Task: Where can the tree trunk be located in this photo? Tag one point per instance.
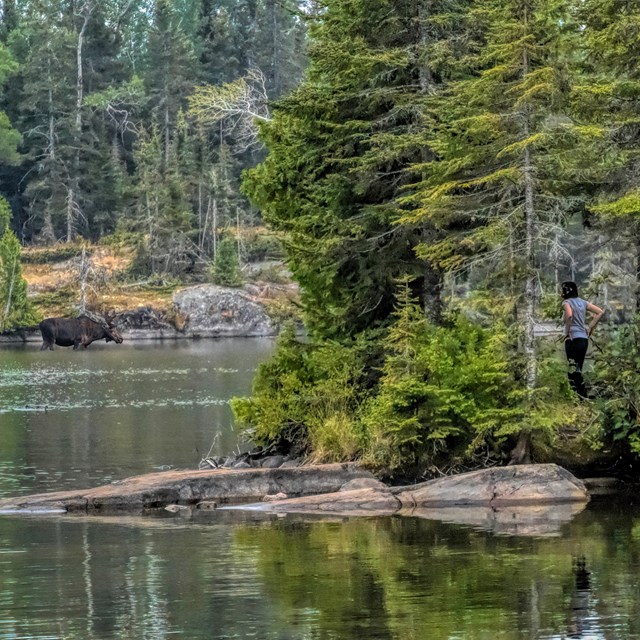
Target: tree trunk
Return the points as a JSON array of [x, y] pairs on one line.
[[72, 203], [521, 453], [637, 236], [433, 279]]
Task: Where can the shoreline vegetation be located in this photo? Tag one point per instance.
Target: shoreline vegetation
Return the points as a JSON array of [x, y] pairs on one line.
[[428, 172]]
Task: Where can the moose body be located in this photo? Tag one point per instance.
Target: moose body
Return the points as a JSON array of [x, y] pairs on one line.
[[76, 332]]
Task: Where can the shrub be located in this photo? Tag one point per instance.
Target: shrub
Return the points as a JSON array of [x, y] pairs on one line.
[[307, 396], [617, 384], [225, 270]]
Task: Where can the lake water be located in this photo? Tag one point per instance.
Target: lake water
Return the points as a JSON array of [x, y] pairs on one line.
[[72, 419], [78, 419]]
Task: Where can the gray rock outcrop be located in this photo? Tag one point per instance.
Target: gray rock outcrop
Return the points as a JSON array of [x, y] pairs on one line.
[[490, 489], [158, 490], [500, 486], [211, 311]]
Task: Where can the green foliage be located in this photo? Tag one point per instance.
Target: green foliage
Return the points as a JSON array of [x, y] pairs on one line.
[[225, 269], [308, 396], [340, 150], [421, 395], [5, 216], [15, 308], [258, 245], [617, 384], [445, 391]]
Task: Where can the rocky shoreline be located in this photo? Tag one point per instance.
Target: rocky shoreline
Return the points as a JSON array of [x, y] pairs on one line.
[[200, 311], [330, 488]]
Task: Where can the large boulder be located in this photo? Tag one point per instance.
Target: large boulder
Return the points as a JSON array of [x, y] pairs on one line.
[[210, 311], [483, 493], [520, 484]]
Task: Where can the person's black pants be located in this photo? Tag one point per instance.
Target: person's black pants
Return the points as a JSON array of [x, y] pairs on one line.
[[576, 351]]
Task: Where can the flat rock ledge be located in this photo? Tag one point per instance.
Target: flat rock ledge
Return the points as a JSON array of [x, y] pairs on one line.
[[158, 490], [527, 499], [523, 485]]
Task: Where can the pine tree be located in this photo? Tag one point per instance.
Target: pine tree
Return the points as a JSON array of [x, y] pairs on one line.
[[15, 308], [608, 98], [225, 269], [169, 69], [339, 150], [9, 137], [496, 182]]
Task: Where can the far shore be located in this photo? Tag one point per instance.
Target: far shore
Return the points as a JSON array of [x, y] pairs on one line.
[[143, 335]]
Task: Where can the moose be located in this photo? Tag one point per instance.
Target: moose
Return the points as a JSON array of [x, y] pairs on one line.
[[77, 332]]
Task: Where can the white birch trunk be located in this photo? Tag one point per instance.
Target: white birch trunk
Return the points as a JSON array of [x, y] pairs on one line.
[[72, 206]]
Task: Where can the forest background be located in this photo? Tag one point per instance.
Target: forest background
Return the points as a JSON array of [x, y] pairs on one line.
[[432, 170]]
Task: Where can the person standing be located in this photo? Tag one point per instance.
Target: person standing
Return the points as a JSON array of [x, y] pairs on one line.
[[577, 332]]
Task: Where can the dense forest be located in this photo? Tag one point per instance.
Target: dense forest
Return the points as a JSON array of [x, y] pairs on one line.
[[442, 168], [434, 169], [98, 135]]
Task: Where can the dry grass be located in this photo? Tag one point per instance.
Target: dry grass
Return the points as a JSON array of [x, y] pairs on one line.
[[54, 285]]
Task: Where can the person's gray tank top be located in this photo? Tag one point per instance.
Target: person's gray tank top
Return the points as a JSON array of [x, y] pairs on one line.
[[579, 324]]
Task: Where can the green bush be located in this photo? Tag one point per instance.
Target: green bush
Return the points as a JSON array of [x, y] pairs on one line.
[[307, 396], [225, 270], [260, 245], [411, 397], [617, 384], [443, 389]]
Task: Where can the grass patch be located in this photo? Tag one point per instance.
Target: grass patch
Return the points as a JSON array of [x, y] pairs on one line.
[[57, 303], [49, 255]]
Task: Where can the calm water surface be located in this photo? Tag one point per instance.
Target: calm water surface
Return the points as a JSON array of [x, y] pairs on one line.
[[71, 420]]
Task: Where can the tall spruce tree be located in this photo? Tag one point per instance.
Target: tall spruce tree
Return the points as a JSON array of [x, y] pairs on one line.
[[339, 149], [170, 71], [495, 185], [608, 99]]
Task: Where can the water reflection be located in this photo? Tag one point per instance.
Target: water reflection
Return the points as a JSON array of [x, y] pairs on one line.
[[247, 575], [583, 622], [527, 520], [76, 419]]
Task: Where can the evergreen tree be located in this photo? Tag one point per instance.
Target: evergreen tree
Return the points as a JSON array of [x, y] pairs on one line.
[[339, 150], [225, 270], [608, 98], [496, 184], [15, 308], [169, 70], [9, 137]]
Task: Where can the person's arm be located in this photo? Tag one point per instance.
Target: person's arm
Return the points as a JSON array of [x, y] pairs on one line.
[[597, 314], [567, 318]]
